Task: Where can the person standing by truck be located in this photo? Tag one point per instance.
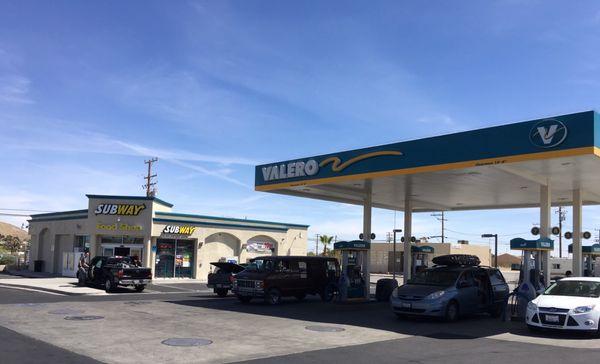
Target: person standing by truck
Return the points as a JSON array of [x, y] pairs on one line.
[[82, 267]]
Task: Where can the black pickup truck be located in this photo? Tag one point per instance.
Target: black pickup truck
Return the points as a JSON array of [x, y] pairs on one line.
[[220, 279], [111, 272]]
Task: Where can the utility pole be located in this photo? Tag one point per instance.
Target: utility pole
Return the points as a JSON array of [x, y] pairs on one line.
[[562, 216], [149, 186], [440, 217]]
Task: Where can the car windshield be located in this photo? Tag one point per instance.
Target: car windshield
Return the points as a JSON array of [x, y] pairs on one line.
[[574, 288], [435, 277]]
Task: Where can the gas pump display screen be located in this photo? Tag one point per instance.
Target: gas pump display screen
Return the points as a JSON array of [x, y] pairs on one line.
[[351, 260]]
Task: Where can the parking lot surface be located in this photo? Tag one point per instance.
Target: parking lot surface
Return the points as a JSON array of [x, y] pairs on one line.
[[40, 325]]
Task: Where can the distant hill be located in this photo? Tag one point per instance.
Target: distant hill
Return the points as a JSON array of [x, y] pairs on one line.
[[9, 229]]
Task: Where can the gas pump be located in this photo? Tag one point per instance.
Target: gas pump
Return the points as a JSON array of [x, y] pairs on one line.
[[588, 256], [420, 257], [353, 285], [530, 279]]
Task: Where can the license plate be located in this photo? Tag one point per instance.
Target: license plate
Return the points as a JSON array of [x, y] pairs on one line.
[[136, 282], [552, 318], [406, 305]]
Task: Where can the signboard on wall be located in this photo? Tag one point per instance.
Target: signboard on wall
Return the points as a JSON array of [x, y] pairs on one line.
[[177, 231], [118, 227], [119, 209], [259, 247]]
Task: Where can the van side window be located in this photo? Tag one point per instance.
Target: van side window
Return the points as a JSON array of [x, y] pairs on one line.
[[282, 266], [496, 277], [331, 266]]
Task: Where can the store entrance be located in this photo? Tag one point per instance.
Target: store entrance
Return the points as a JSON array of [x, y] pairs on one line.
[[174, 258], [125, 246]]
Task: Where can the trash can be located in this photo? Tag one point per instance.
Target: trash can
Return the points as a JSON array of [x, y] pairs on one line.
[[384, 288], [38, 265]]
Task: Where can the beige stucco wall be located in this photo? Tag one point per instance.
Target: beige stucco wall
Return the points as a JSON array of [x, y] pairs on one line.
[[56, 235]]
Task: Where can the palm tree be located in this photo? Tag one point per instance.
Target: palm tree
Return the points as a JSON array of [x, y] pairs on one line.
[[325, 240]]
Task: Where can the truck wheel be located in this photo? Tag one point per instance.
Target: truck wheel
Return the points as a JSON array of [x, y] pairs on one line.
[[139, 287], [244, 299], [221, 292], [109, 286], [273, 297], [451, 312], [300, 296]]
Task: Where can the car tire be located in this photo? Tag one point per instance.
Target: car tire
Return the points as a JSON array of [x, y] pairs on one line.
[[140, 287], [452, 312], [109, 286], [301, 296], [244, 299], [221, 292], [273, 296]]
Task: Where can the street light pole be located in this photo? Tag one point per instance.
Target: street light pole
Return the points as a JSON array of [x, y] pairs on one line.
[[495, 236], [394, 256]]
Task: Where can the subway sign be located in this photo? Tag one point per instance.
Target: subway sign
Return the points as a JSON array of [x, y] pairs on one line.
[[179, 229], [119, 209]]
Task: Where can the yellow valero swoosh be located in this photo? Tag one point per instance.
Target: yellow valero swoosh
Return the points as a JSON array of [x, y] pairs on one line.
[[338, 166]]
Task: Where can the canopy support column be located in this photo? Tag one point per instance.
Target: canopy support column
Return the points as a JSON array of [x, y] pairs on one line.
[[545, 222], [577, 254], [367, 209], [407, 264]]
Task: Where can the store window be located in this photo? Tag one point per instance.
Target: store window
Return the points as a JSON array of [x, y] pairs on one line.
[[174, 258], [122, 245], [81, 244]]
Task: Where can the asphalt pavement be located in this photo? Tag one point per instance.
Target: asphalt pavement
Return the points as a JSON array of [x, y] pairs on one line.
[[30, 333]]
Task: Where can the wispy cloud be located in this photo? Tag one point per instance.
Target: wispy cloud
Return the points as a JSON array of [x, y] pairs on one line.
[[14, 89], [57, 136]]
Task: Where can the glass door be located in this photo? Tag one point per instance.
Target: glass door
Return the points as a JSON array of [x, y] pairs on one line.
[[184, 258], [165, 258]]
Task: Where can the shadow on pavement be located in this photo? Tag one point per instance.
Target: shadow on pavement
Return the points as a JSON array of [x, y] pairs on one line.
[[378, 315]]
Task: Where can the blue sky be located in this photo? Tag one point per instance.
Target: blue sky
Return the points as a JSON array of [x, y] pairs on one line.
[[90, 89]]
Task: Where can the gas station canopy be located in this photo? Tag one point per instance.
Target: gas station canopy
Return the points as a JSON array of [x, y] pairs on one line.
[[587, 249], [497, 167], [536, 163]]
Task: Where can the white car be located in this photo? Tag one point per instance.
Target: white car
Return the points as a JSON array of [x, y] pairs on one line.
[[569, 304]]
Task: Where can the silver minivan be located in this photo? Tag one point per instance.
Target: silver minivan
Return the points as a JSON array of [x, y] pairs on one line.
[[451, 291]]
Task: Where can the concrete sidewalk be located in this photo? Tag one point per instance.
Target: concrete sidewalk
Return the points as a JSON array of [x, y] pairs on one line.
[[55, 285]]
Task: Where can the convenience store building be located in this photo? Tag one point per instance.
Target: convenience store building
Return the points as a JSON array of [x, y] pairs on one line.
[[174, 245]]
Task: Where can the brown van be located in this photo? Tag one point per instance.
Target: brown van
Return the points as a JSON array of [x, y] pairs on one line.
[[275, 277]]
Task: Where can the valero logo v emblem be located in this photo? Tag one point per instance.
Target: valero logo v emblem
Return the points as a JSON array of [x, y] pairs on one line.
[[548, 133]]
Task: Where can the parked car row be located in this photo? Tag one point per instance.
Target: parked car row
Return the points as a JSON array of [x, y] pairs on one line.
[[455, 286]]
